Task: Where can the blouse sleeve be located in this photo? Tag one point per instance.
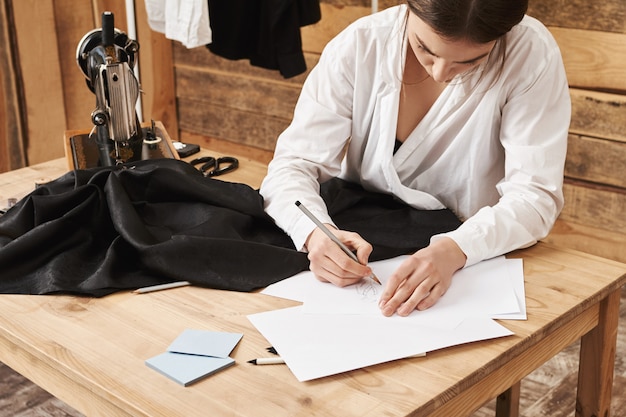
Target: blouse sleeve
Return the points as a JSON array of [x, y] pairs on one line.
[[533, 133], [310, 150]]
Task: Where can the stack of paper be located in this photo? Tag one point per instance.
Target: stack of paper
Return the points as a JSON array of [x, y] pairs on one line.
[[328, 333], [195, 354]]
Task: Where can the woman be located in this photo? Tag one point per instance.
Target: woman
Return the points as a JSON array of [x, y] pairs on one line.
[[443, 104]]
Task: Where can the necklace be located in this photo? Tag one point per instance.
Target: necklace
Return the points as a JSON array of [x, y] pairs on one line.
[[412, 65], [417, 82]]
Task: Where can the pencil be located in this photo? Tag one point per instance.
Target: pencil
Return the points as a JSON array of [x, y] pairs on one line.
[[332, 237], [266, 361], [161, 287]]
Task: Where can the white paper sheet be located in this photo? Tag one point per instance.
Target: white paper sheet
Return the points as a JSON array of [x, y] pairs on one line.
[[489, 288], [341, 329], [516, 275], [318, 345], [484, 289]]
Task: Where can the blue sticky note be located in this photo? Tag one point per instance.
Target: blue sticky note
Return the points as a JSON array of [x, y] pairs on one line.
[[187, 369], [205, 342]]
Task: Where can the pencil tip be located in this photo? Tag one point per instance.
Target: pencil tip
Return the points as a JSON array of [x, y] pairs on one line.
[[252, 361], [298, 203]]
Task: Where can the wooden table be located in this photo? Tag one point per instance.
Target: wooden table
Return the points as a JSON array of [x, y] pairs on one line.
[[90, 352]]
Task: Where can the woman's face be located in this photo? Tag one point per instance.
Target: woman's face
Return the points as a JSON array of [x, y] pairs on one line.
[[442, 58]]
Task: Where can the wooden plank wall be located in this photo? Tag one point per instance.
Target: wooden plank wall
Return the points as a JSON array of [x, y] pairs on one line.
[[12, 154], [43, 92], [233, 106], [236, 104], [592, 37]]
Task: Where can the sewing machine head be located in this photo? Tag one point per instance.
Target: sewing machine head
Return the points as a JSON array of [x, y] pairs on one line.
[[106, 57]]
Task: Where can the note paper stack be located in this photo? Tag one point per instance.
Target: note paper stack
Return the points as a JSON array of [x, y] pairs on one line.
[[195, 354]]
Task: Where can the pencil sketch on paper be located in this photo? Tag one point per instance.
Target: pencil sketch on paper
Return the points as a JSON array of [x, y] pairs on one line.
[[368, 290]]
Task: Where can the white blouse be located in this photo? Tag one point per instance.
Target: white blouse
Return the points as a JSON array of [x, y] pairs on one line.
[[491, 148]]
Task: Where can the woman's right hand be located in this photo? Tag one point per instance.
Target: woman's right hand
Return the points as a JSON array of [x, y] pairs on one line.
[[330, 264]]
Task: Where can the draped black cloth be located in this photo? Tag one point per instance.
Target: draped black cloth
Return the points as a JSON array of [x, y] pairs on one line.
[[97, 231]]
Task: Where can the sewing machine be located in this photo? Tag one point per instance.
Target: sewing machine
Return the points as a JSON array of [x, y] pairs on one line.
[[106, 57]]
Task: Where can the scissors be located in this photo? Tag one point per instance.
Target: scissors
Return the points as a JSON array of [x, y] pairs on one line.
[[212, 167]]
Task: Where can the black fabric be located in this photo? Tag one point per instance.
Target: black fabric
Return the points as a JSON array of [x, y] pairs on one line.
[[396, 146], [97, 231], [100, 230], [392, 227], [267, 32]]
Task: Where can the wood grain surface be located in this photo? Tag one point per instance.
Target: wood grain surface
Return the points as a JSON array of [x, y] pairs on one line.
[[550, 391]]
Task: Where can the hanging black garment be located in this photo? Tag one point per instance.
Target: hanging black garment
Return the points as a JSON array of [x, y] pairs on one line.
[[267, 32], [97, 231]]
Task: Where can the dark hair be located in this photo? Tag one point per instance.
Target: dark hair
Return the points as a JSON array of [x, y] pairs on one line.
[[479, 21]]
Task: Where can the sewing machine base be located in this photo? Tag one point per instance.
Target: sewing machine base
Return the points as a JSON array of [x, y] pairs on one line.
[[82, 152]]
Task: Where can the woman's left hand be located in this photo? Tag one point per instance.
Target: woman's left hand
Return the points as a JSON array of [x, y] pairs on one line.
[[422, 278]]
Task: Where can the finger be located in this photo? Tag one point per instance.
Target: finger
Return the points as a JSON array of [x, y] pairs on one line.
[[338, 280], [362, 248], [344, 266], [411, 268], [406, 299], [357, 244], [435, 294], [389, 306], [406, 282], [320, 245], [327, 270], [422, 291]]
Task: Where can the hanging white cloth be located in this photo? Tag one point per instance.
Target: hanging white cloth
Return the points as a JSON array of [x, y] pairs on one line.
[[186, 21]]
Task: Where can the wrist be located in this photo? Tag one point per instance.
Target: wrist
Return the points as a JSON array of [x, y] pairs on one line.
[[315, 233], [452, 252]]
